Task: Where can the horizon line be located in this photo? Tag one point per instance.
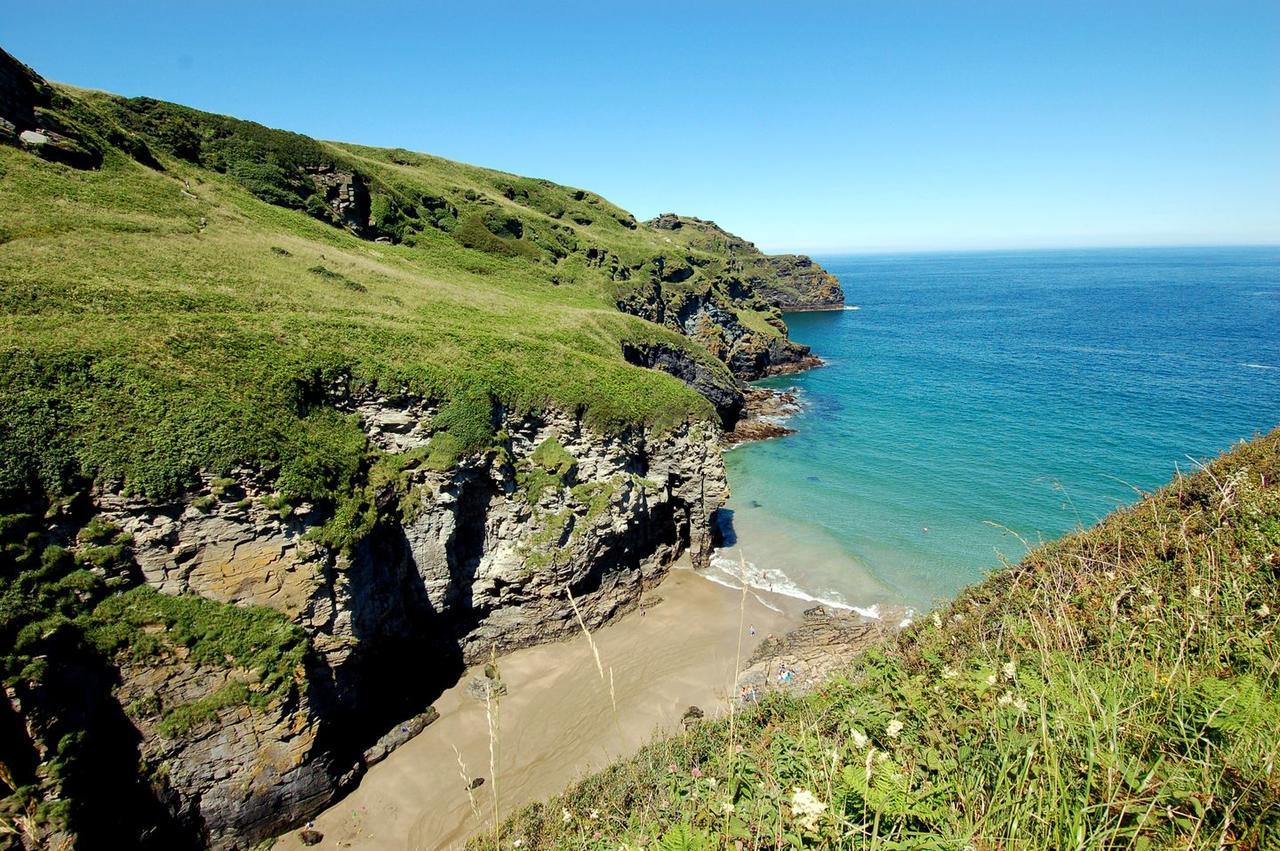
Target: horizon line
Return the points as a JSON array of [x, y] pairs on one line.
[[1008, 249]]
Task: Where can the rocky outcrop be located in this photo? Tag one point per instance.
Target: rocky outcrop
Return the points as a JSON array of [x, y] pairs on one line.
[[826, 641], [720, 389], [346, 196], [707, 316], [796, 282], [28, 120], [230, 779], [786, 281], [462, 563], [764, 413]]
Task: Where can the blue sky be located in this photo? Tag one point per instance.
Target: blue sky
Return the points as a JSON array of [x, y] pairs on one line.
[[802, 126]]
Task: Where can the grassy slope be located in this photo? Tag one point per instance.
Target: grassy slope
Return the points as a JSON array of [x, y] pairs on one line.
[[156, 322], [190, 334], [1118, 688]]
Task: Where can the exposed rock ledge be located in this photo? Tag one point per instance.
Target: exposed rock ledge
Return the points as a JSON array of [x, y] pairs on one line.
[[477, 563], [826, 641], [765, 411]]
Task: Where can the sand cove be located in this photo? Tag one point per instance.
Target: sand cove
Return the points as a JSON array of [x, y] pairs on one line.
[[557, 721]]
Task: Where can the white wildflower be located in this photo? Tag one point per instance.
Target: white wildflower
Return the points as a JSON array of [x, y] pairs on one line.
[[991, 680], [1195, 591], [565, 815], [1008, 670], [882, 757], [859, 739], [727, 806], [1110, 574], [712, 782], [595, 814], [805, 808], [519, 843], [1005, 699], [1019, 704], [1264, 610], [949, 673], [937, 620], [894, 728]]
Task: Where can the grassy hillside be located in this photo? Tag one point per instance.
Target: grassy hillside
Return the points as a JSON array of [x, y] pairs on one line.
[[191, 300], [185, 294], [1119, 688]]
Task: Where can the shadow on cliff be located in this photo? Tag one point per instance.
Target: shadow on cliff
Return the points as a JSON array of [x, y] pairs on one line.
[[98, 753]]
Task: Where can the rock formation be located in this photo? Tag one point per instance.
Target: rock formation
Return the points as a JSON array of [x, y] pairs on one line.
[[463, 562]]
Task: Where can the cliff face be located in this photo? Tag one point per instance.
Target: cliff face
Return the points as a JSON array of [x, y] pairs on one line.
[[786, 281], [229, 562], [463, 562]]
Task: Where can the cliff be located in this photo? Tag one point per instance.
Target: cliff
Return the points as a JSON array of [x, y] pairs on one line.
[[786, 281], [294, 430]]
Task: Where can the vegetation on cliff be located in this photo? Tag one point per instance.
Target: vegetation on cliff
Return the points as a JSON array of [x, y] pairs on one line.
[[195, 299], [191, 301], [1119, 687]]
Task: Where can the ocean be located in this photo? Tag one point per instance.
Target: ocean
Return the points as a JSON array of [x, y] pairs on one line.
[[975, 404]]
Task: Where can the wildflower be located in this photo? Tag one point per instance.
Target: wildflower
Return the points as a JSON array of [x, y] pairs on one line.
[[672, 768], [806, 808], [1195, 591], [859, 739], [713, 782], [991, 680], [1005, 699], [565, 815], [697, 772], [1110, 574], [1264, 610], [949, 673], [594, 814], [519, 843], [1008, 670], [937, 620], [727, 806], [894, 728], [1019, 704]]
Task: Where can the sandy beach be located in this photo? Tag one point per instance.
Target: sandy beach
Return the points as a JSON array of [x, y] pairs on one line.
[[557, 721]]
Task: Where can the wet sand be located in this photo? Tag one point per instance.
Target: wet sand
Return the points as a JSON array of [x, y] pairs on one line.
[[557, 722]]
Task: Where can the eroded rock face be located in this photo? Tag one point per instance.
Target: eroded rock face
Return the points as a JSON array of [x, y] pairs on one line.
[[233, 779], [482, 560], [708, 319], [719, 389]]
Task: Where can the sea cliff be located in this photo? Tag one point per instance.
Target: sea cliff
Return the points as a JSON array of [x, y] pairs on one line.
[[295, 430]]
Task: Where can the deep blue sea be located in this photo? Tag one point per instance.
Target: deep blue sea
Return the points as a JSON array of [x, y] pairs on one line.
[[976, 401]]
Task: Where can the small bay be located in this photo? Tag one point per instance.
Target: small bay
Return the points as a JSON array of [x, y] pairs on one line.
[[977, 403]]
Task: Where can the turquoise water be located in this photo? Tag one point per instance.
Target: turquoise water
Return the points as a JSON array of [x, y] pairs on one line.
[[994, 399]]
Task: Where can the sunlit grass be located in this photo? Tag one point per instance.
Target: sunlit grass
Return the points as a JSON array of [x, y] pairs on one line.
[[1117, 689]]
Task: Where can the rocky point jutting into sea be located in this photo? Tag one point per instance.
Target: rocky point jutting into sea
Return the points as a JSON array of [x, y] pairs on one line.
[[296, 631]]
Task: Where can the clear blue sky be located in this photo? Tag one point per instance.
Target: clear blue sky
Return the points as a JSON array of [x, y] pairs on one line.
[[802, 126]]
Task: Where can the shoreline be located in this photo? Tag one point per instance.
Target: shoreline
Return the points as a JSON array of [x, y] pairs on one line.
[[817, 308], [557, 722]]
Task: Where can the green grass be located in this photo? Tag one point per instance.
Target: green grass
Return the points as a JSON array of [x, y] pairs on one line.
[[1119, 688], [159, 322]]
